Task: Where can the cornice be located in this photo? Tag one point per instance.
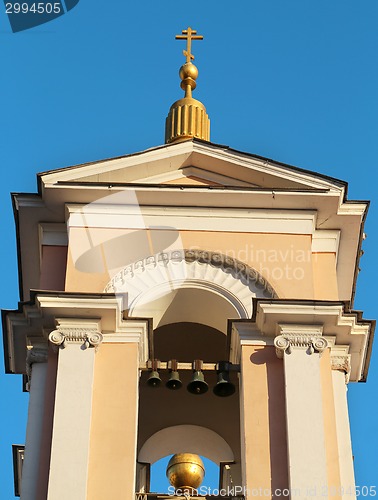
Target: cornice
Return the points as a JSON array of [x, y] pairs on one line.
[[116, 215], [193, 149], [85, 319], [307, 324]]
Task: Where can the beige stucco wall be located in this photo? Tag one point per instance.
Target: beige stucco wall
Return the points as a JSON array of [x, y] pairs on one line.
[[284, 260], [263, 422], [79, 281], [324, 276], [112, 454]]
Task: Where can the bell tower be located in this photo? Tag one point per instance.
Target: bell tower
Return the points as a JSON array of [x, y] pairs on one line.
[[190, 301]]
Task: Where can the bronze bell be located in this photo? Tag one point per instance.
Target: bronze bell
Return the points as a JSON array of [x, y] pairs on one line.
[[198, 385], [174, 381], [154, 379], [223, 387]]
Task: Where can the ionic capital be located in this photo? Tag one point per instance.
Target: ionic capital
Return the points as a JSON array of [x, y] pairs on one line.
[[81, 332], [306, 337]]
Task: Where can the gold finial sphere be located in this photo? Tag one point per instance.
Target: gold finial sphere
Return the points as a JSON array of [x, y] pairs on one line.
[[185, 471], [188, 74], [188, 70]]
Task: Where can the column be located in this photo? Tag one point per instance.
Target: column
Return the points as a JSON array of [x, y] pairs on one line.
[[301, 348], [77, 341], [36, 369], [340, 376]]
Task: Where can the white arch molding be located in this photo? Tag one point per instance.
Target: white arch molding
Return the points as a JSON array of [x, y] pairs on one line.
[[188, 439], [183, 285]]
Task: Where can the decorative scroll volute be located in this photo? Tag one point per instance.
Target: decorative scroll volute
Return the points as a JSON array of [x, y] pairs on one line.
[[284, 344], [84, 337]]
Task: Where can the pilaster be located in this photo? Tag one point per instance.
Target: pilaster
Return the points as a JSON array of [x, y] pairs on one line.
[[300, 347], [76, 341]]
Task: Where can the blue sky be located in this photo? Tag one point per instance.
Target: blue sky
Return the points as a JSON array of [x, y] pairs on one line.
[[294, 80]]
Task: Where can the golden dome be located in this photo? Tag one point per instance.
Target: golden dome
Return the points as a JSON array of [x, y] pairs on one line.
[[185, 471]]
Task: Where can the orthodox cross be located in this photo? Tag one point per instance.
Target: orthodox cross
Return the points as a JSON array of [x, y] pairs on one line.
[[189, 35]]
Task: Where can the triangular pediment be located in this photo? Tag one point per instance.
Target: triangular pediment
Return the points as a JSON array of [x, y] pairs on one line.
[[194, 163], [195, 176]]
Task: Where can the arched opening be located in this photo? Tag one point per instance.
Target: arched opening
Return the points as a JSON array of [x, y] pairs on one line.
[[159, 482], [176, 286], [159, 448], [191, 438], [192, 304], [190, 297]]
